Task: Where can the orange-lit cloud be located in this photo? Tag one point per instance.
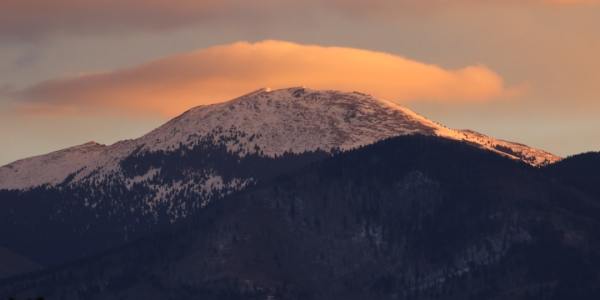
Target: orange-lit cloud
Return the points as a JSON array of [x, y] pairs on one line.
[[173, 84]]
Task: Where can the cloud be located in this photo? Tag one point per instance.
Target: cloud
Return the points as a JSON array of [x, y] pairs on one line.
[[24, 19], [572, 2], [38, 17], [173, 84]]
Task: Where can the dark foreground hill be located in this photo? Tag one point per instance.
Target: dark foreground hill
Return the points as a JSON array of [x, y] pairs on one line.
[[408, 218], [581, 171]]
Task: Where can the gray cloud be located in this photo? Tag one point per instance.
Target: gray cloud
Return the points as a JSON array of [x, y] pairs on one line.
[[26, 19]]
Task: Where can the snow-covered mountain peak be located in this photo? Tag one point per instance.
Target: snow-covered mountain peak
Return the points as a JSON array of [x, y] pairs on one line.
[[264, 122], [299, 119], [290, 120]]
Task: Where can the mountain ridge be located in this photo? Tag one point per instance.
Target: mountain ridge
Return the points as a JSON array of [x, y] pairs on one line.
[[295, 119]]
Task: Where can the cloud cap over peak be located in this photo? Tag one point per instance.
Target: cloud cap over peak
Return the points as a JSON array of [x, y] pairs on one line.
[[173, 84]]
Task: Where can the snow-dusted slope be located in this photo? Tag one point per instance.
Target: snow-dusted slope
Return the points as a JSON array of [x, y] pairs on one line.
[[264, 122], [51, 168], [293, 120]]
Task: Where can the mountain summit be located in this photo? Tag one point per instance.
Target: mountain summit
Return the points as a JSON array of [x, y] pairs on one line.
[[94, 197], [265, 122]]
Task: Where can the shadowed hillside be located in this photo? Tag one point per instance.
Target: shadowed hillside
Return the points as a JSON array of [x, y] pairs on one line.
[[408, 218]]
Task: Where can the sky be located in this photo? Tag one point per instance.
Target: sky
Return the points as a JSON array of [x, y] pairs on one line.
[[73, 71]]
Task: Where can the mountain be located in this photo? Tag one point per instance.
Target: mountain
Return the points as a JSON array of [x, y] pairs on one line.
[[413, 217], [83, 200], [12, 264], [264, 122], [581, 171]]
